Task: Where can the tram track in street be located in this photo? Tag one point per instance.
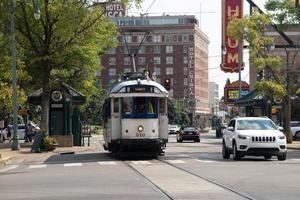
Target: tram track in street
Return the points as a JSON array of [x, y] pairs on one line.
[[210, 181], [169, 195], [165, 193]]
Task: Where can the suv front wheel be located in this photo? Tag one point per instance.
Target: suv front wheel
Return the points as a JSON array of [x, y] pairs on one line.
[[225, 152], [281, 157], [236, 153]]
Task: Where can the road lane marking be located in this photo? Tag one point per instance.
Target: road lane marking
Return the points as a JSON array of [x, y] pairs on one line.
[[11, 167], [107, 163], [141, 162], [294, 159], [175, 161], [36, 166], [207, 161], [72, 164]]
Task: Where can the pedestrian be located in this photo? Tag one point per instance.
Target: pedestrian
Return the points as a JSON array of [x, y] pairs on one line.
[[9, 133], [30, 131]]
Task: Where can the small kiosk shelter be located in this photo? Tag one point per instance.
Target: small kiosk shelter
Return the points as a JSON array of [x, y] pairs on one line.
[[64, 120]]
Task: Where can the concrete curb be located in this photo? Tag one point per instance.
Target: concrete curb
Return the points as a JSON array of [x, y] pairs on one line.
[[4, 161], [294, 148]]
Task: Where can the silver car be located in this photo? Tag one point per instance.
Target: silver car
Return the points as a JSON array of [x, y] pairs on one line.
[[295, 129], [4, 133]]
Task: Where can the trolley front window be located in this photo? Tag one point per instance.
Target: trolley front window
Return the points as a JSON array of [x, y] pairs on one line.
[[140, 107]]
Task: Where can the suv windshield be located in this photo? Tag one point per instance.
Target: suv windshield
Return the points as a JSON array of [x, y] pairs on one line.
[[255, 125]]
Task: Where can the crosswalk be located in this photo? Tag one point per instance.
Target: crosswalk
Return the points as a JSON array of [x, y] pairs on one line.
[[179, 161]]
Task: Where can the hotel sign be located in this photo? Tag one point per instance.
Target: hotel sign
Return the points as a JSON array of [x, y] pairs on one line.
[[115, 9], [191, 62], [234, 52]]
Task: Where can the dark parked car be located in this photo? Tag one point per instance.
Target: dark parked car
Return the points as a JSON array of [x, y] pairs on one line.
[[188, 133], [220, 129]]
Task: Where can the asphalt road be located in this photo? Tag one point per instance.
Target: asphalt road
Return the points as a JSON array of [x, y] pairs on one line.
[[187, 171]]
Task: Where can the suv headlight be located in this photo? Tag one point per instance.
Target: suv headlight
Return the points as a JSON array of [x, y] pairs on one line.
[[243, 137], [281, 137]]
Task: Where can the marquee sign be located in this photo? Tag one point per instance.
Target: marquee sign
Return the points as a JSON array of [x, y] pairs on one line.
[[231, 91], [234, 50]]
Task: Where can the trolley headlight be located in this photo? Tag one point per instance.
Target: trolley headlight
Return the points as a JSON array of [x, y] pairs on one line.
[[140, 128]]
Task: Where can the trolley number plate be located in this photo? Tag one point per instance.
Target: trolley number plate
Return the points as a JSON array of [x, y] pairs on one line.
[[138, 134]]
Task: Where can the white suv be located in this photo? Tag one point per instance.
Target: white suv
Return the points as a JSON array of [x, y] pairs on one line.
[[253, 136]]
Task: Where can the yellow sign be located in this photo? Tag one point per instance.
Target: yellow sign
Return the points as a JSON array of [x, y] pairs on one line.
[[233, 94]]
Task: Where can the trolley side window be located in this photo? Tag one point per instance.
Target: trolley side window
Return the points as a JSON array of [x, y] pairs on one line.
[[162, 106], [116, 105], [127, 105]]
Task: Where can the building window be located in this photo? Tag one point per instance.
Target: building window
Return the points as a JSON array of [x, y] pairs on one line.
[[156, 49], [112, 71], [142, 50], [169, 70], [157, 70], [126, 50], [156, 60], [98, 72], [169, 49], [141, 60], [156, 38], [127, 69], [169, 60], [127, 61], [112, 51], [185, 60], [185, 81], [127, 38], [112, 61], [141, 70], [185, 49], [140, 38], [185, 71], [185, 38]]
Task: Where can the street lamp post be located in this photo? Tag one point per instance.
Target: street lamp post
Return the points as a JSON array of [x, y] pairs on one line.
[[15, 143]]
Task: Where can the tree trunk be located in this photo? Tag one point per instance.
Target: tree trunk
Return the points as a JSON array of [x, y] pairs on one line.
[[287, 118], [45, 97]]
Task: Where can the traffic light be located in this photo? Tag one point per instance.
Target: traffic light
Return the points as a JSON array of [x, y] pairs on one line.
[[167, 84]]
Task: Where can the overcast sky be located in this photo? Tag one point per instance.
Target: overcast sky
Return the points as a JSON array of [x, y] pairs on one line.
[[208, 12]]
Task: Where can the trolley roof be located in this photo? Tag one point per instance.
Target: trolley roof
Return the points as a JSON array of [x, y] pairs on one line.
[[120, 87]]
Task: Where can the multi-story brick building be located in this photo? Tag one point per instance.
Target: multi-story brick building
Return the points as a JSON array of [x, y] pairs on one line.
[[175, 49]]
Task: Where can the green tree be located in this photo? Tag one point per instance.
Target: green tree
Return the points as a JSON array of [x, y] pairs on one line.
[[65, 43], [177, 113], [6, 71], [274, 83], [92, 110]]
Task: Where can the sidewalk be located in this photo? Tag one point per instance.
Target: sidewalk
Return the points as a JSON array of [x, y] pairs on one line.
[[7, 156]]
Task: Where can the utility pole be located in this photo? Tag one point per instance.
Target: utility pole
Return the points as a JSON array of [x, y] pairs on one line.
[[15, 143]]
